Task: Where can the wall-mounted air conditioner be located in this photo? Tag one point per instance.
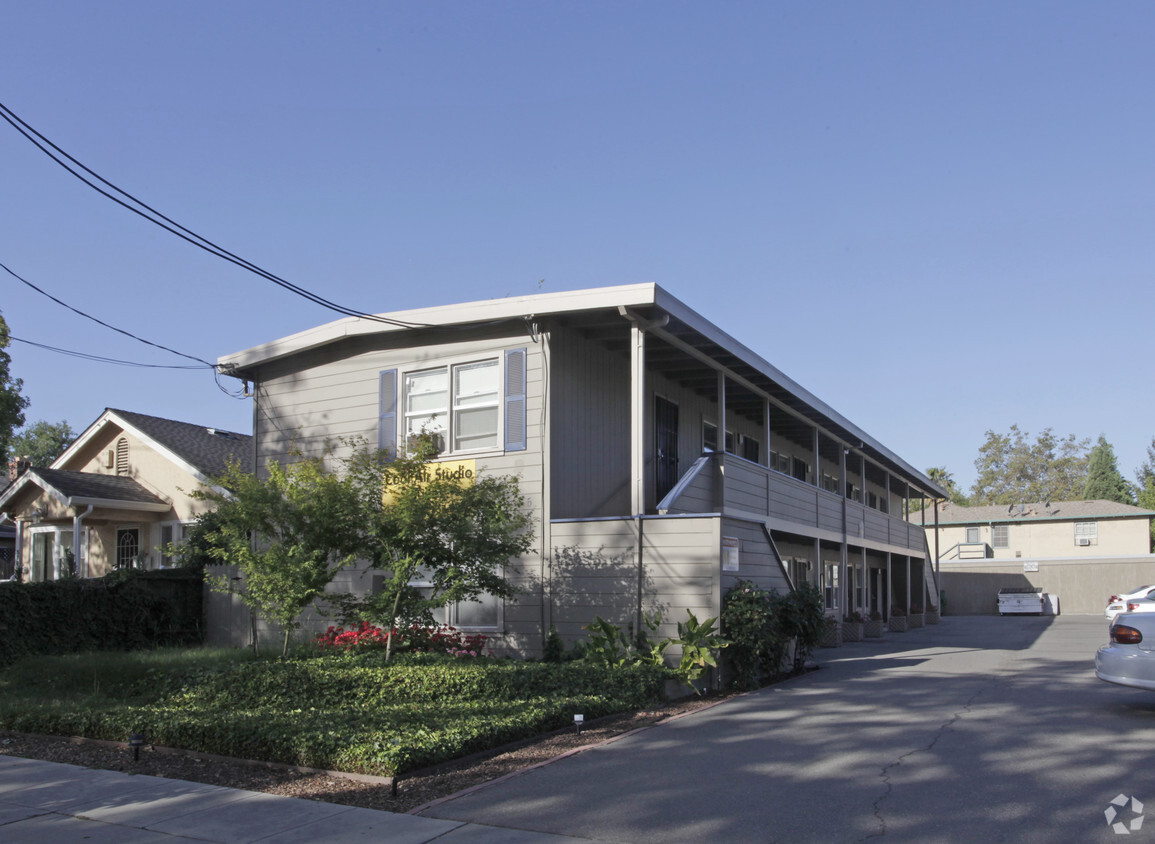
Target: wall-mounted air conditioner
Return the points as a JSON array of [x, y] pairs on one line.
[[1083, 540]]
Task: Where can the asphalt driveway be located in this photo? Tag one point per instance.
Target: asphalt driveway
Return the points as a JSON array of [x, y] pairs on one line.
[[980, 729]]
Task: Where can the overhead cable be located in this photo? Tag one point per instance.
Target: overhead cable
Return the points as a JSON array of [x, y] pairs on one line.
[[105, 324], [155, 217]]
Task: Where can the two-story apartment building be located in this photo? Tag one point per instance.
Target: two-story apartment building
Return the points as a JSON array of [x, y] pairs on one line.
[[663, 460]]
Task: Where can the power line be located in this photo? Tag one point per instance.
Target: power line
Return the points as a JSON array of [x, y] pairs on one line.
[[105, 324], [100, 359], [148, 213]]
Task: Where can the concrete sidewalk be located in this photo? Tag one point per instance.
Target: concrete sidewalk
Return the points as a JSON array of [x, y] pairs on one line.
[[48, 802]]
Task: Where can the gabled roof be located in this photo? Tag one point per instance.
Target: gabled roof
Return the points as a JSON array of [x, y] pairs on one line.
[[202, 451], [83, 488], [950, 513], [669, 319]]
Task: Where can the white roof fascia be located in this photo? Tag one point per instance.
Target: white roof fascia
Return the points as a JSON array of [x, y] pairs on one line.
[[82, 440], [631, 295]]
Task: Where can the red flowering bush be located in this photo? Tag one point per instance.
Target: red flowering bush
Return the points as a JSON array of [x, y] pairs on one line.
[[418, 638], [366, 637]]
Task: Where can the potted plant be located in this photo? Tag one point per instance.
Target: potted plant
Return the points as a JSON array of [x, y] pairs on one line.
[[852, 627], [897, 622], [872, 628], [916, 617]]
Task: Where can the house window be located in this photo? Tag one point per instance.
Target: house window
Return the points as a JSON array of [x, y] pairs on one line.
[[799, 571], [127, 547], [171, 533], [709, 436], [829, 483], [780, 462], [1086, 533], [750, 449], [484, 614], [1001, 536], [460, 405], [475, 405], [973, 535], [853, 492]]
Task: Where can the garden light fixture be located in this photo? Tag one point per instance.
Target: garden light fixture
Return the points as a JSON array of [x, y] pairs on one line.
[[136, 742], [578, 720]]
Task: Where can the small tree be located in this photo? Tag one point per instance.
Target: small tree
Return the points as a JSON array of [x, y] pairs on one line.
[[456, 537], [289, 534]]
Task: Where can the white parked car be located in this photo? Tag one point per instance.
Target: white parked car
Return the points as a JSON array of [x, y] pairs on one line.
[[1129, 658], [1118, 603]]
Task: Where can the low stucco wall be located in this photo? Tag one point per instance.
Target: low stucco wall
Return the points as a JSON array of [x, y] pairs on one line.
[[971, 587]]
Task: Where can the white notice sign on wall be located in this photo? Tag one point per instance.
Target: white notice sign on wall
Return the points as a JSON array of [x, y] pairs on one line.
[[730, 546]]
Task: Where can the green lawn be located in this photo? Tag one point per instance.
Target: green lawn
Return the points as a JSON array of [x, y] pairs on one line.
[[341, 712]]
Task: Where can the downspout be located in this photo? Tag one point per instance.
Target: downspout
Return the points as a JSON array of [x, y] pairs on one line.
[[76, 531]]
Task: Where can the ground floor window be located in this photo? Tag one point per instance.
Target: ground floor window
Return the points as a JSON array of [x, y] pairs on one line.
[[128, 548]]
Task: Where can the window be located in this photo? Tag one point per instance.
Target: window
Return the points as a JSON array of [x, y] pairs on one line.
[[973, 535], [484, 614], [829, 483], [1086, 533], [750, 448], [799, 571], [461, 405], [780, 462], [1001, 536], [853, 492], [171, 533], [475, 399], [709, 436]]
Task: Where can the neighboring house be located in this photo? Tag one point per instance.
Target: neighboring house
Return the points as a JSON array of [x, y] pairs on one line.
[[116, 496], [1043, 529], [1078, 552], [662, 459]]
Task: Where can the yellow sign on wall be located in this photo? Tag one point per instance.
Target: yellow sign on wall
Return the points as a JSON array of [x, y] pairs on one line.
[[460, 471]]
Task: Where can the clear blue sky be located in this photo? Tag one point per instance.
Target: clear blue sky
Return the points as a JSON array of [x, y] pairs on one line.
[[938, 217]]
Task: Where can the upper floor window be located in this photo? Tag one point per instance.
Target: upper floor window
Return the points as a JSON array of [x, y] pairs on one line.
[[973, 535], [462, 405], [1086, 533]]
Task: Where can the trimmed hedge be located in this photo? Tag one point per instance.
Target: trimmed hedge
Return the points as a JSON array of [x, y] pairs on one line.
[[119, 612]]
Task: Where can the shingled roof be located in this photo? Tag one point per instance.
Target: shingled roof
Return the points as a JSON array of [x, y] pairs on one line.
[[208, 450], [87, 487], [950, 513]]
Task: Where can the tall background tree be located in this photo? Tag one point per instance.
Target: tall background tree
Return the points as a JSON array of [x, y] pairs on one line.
[[1145, 476], [42, 442], [1013, 470], [12, 403], [1104, 481]]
